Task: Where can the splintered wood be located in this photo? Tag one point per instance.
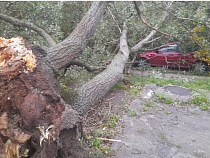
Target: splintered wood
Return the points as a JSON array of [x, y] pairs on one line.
[[14, 50], [3, 121], [14, 59]]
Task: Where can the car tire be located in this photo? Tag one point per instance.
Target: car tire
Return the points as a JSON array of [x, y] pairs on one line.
[[143, 62], [200, 66]]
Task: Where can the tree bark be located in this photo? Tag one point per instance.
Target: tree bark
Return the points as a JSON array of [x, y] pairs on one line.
[[90, 93], [34, 119], [86, 66], [61, 54]]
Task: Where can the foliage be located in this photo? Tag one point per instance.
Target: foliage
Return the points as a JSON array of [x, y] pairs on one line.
[[187, 21], [181, 102], [145, 108], [204, 51], [147, 105], [112, 120], [72, 12], [96, 142], [132, 113], [60, 18], [162, 136], [46, 15], [105, 130], [164, 99], [201, 100]]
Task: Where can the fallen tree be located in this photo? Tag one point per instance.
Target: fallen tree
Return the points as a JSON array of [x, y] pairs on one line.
[[34, 119], [90, 93]]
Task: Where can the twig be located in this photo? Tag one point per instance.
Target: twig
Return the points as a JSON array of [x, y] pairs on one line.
[[154, 39], [111, 140], [154, 28], [139, 14], [111, 42], [110, 98], [192, 36], [129, 69], [114, 20], [176, 15]]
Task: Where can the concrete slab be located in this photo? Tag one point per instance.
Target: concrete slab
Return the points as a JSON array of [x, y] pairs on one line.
[[166, 131]]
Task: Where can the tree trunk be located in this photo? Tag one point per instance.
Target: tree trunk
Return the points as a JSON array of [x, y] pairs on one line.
[[34, 120], [90, 93], [61, 54]]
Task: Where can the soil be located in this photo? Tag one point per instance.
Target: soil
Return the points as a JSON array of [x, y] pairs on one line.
[[163, 131], [97, 117]]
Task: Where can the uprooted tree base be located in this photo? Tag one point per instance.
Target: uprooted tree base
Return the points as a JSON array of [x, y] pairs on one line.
[[34, 120]]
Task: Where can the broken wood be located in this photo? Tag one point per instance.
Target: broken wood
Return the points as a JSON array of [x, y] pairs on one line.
[[33, 116], [111, 140]]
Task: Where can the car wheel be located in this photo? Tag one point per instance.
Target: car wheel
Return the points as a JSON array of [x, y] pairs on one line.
[[200, 66], [143, 62]]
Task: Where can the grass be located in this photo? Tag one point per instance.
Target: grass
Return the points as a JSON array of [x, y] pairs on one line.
[[139, 81], [201, 100], [147, 105], [132, 113], [145, 108], [105, 130], [123, 107], [133, 91], [112, 120], [181, 102], [162, 136], [118, 85], [141, 131], [193, 84], [179, 146], [164, 99]]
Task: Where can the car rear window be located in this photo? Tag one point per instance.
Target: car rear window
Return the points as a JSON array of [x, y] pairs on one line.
[[170, 48]]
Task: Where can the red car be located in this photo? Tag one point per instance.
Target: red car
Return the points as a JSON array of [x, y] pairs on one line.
[[169, 55]]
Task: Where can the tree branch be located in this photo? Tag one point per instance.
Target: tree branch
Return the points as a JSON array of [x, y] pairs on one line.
[[81, 64], [139, 14], [61, 54], [192, 36], [139, 45], [154, 39], [29, 25], [114, 20], [181, 18], [95, 89]]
